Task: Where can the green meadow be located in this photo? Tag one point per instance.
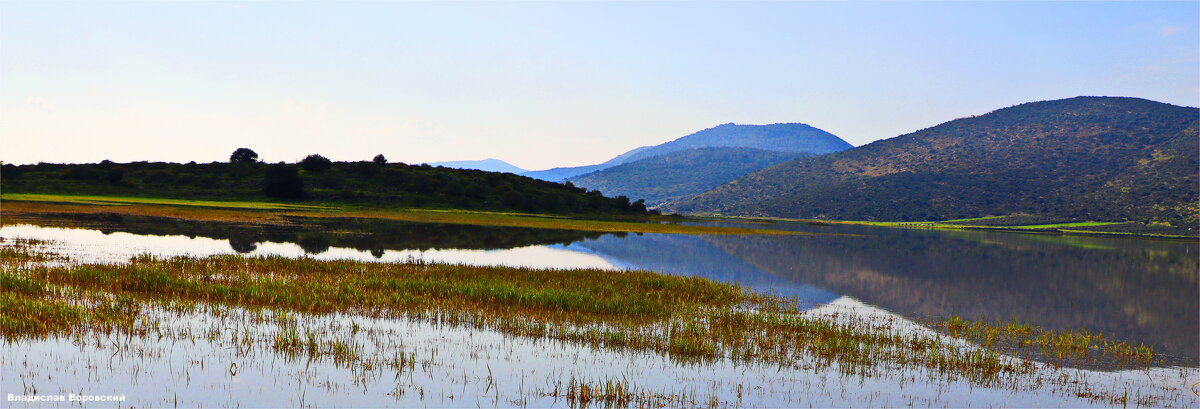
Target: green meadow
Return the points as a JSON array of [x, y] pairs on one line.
[[283, 213]]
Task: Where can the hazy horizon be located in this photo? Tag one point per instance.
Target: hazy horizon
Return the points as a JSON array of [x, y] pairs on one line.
[[542, 85]]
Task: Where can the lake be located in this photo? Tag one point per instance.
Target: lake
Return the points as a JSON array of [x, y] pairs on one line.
[[1127, 289]]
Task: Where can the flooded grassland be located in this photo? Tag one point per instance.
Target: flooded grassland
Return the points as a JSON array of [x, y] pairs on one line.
[[344, 316]]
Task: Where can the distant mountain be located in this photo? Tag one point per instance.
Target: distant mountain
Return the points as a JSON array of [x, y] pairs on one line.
[[680, 175], [488, 165], [561, 174], [1085, 158], [694, 255], [775, 137]]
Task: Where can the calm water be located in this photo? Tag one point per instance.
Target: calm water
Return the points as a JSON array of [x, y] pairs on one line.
[[458, 367], [1128, 289]]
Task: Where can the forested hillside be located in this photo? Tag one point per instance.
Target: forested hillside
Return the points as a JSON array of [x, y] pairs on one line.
[[1084, 158], [316, 179]]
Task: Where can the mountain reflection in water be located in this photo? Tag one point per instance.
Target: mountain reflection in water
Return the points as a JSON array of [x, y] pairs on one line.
[[1127, 289]]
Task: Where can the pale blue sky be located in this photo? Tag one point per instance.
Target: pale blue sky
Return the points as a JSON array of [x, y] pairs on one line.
[[547, 84]]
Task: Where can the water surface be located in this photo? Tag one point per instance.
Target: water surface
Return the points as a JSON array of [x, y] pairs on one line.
[[1143, 290], [1128, 289]]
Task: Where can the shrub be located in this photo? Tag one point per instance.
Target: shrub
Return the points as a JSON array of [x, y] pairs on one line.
[[243, 155], [316, 163]]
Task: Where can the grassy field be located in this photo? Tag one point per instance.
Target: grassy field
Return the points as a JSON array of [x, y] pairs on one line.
[[1076, 228], [973, 219], [960, 224], [111, 200], [1057, 225], [276, 213], [1001, 223], [686, 318]]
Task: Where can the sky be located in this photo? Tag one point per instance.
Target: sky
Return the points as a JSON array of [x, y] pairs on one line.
[[545, 84]]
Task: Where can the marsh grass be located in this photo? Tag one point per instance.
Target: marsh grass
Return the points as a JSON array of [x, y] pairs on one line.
[[33, 309], [622, 393], [22, 315], [1078, 348], [20, 250], [687, 319]]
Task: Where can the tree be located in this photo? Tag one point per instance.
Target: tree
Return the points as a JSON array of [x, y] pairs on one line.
[[315, 244], [622, 202], [242, 244], [316, 163], [379, 159], [639, 205], [243, 155], [283, 181]]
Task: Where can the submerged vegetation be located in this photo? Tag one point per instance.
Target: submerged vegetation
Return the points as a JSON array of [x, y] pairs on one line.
[[280, 316], [688, 319], [1080, 347]]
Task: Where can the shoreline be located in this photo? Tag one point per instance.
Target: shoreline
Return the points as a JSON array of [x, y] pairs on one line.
[[270, 213], [942, 225]]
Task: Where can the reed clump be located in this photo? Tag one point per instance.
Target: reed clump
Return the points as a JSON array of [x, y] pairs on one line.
[[619, 393], [1061, 346], [15, 251], [29, 308], [607, 393]]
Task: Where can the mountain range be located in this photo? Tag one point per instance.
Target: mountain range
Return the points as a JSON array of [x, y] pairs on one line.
[[1084, 158], [783, 137], [680, 175], [489, 165]]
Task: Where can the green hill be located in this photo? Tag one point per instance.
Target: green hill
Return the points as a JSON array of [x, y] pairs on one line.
[[374, 184], [1084, 158], [680, 175]]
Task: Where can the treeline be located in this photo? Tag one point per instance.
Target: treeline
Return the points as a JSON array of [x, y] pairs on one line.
[[315, 179], [317, 235]]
